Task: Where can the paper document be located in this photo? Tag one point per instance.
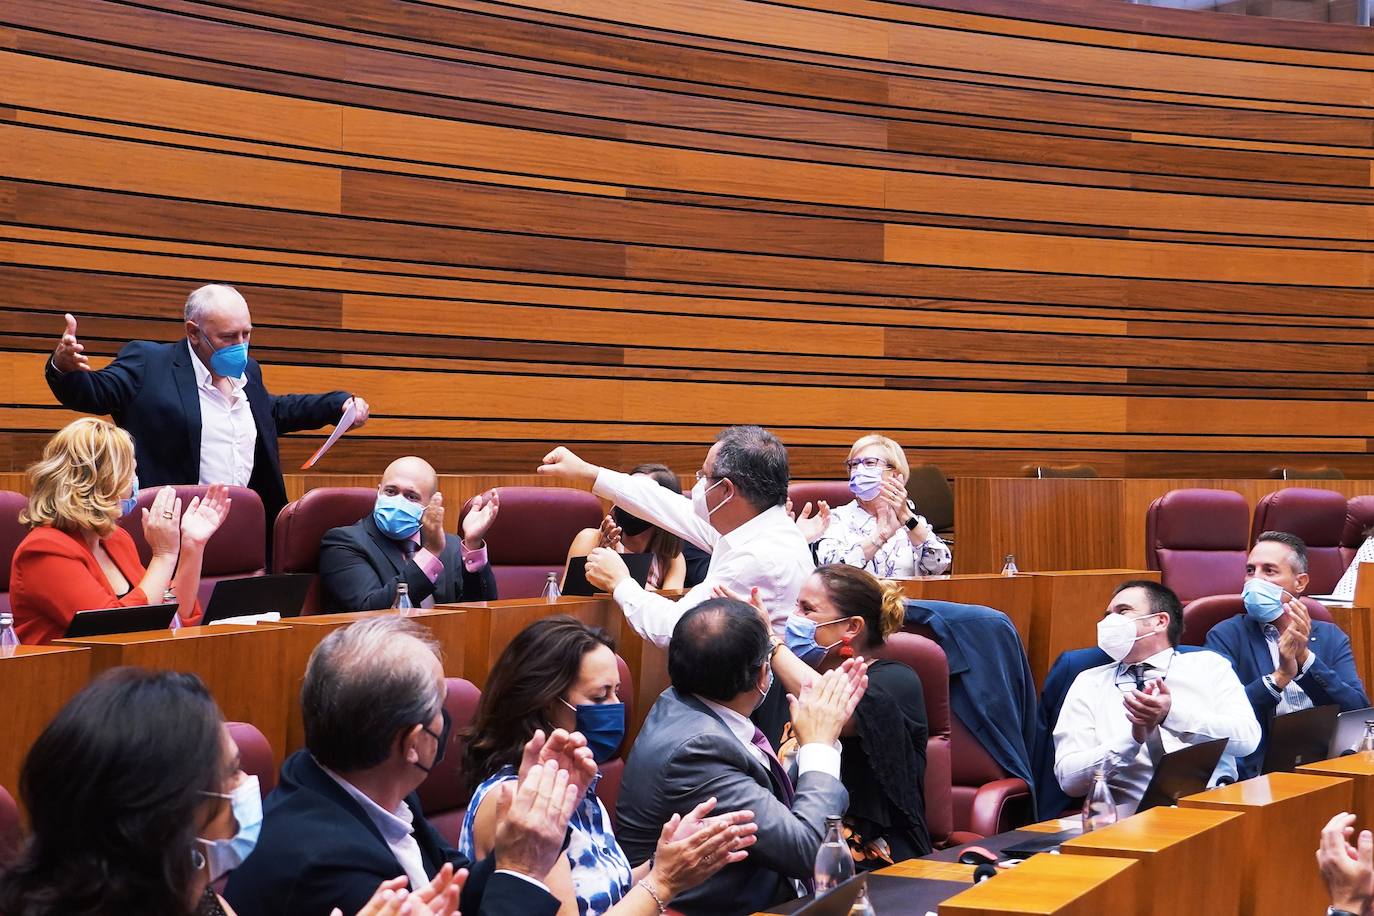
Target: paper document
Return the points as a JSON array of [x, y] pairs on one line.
[[349, 415]]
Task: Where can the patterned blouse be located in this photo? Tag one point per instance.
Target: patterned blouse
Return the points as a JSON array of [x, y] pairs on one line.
[[600, 872], [851, 524]]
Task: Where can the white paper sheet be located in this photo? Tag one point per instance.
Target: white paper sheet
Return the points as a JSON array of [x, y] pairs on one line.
[[349, 415]]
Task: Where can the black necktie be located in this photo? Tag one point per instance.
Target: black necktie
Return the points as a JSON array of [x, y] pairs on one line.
[[1153, 745]]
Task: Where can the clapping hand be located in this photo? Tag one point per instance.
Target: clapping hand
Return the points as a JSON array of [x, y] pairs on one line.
[[827, 702], [811, 526], [693, 848], [567, 749], [432, 537], [1347, 870], [533, 819], [162, 523], [1293, 641], [70, 354], [438, 898], [204, 515], [481, 515], [1147, 709]]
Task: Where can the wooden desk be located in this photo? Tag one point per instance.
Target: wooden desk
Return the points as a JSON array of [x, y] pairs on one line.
[[1178, 850], [36, 682], [1012, 595], [446, 623], [1065, 608], [1065, 885], [1284, 815], [241, 665], [1360, 769]]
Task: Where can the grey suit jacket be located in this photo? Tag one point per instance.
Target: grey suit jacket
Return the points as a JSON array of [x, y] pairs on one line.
[[684, 755]]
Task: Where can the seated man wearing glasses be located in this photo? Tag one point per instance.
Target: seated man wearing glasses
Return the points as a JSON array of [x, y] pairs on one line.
[[1153, 699]]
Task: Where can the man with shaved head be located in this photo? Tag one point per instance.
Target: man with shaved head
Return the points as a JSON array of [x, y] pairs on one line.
[[197, 408], [402, 540]]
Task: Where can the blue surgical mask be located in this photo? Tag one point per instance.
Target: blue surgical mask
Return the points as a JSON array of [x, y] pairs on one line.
[[126, 506], [224, 856], [866, 483], [800, 637], [602, 724], [230, 361], [397, 517], [1263, 599]]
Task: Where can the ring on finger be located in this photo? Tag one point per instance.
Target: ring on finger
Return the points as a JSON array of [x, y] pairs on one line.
[[166, 515]]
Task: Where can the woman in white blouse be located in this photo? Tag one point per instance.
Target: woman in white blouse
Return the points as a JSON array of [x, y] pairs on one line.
[[880, 530]]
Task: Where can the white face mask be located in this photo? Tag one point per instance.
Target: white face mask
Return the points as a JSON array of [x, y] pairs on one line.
[[699, 499], [1116, 635]]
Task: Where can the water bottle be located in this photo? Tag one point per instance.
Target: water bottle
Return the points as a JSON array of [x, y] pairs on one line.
[[1099, 808], [861, 906], [1366, 745], [551, 592], [402, 605], [1009, 565], [834, 864], [9, 640]]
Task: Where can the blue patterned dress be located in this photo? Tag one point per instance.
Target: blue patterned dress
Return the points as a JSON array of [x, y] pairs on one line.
[[600, 872]]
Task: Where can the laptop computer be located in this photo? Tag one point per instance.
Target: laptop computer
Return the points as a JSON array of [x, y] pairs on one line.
[[137, 619], [1299, 737], [1186, 771], [1349, 730], [836, 902], [282, 592], [575, 579]]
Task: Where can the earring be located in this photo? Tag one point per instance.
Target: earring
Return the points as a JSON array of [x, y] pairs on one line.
[[197, 858]]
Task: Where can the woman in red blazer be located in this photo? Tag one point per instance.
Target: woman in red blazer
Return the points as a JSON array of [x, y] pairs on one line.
[[77, 559]]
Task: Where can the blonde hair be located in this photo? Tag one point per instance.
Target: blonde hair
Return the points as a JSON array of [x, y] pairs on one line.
[[891, 451], [76, 485], [858, 593]]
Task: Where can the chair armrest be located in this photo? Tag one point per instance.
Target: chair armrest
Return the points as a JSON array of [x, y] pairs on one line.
[[990, 805]]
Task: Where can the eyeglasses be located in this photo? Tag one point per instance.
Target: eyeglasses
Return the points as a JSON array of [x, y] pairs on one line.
[[870, 463], [702, 475]]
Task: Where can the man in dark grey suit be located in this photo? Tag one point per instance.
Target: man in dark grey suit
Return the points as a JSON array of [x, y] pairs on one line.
[[698, 742], [403, 540]]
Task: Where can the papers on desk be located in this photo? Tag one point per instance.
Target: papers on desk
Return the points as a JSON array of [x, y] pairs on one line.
[[249, 619], [349, 415]]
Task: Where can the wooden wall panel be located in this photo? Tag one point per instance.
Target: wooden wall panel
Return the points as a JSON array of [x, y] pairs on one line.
[[1005, 233]]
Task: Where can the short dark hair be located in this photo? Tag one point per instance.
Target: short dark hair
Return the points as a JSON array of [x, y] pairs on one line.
[[363, 688], [755, 460], [115, 789], [1293, 543], [1162, 601], [717, 650]]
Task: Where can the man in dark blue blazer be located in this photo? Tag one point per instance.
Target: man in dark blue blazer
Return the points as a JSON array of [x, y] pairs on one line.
[[1289, 662], [362, 564], [197, 408]]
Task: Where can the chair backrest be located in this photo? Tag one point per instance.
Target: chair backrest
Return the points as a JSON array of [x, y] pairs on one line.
[[613, 770], [1317, 473], [11, 533], [302, 524], [256, 753], [442, 796], [10, 835], [238, 548], [532, 533], [927, 659], [1359, 519], [834, 492], [1201, 614], [1059, 470], [1316, 516], [929, 489], [1198, 539]]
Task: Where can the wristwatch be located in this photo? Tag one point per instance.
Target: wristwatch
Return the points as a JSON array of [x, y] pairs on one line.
[[911, 519], [1332, 911]]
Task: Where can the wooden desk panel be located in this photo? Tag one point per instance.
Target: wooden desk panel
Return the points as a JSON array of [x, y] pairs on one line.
[[1063, 885], [1065, 609], [1357, 767], [36, 682], [446, 623], [1284, 815], [1178, 849], [241, 666], [1012, 595]]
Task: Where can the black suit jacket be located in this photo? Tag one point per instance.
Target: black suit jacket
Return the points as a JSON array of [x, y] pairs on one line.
[[360, 566], [150, 390], [319, 850]]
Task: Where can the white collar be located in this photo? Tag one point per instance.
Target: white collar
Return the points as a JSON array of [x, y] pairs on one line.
[[394, 825], [740, 726], [203, 377]]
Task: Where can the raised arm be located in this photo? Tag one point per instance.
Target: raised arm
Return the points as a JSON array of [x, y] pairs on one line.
[[106, 391]]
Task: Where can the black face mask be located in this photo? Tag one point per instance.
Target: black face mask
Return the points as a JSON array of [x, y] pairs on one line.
[[630, 524], [442, 738]]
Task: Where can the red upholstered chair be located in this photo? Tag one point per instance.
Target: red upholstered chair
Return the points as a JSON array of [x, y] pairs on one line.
[[927, 659], [256, 753], [442, 795], [11, 533], [302, 524], [1198, 539], [237, 549], [1201, 614], [1359, 519], [834, 492], [613, 770], [10, 836], [532, 533], [987, 800], [1316, 516]]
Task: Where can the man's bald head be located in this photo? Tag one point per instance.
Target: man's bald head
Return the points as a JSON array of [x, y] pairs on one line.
[[411, 477], [216, 317], [217, 299]]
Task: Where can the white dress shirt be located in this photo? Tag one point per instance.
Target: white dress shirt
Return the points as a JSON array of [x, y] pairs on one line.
[[1208, 702], [813, 756], [397, 828], [1293, 697], [767, 552], [228, 435]]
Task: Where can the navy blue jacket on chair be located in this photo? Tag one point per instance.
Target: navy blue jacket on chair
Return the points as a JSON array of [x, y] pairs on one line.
[[1332, 678], [150, 390]]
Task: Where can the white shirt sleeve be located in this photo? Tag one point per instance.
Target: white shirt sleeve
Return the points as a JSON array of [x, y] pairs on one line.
[[1077, 748], [1228, 714], [646, 498]]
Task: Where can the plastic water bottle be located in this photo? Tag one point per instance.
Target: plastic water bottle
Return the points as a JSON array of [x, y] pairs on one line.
[[402, 605], [861, 906], [834, 864], [1366, 745], [551, 592], [9, 640], [1099, 808], [1009, 565]]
